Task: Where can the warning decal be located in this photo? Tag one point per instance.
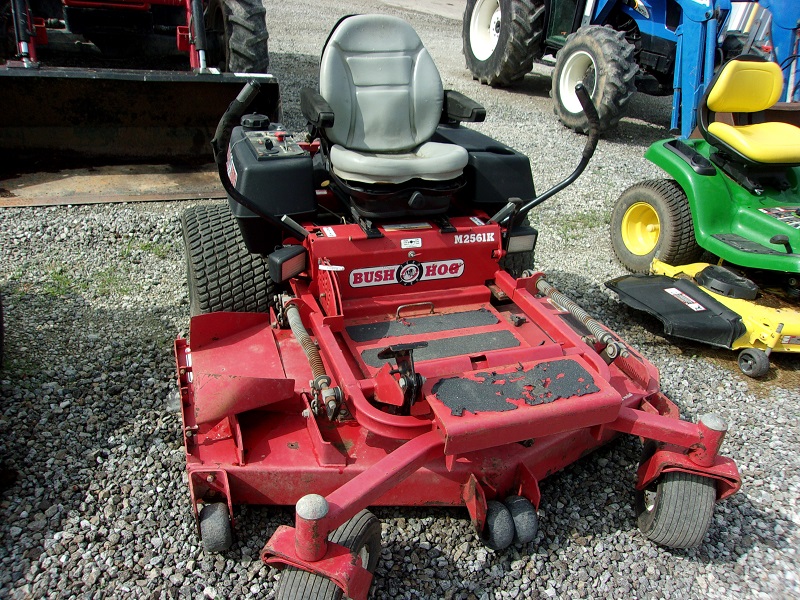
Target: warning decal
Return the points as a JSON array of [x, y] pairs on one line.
[[687, 300]]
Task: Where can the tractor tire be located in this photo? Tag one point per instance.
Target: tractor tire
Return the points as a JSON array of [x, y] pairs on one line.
[[222, 274], [676, 510], [502, 38], [237, 36], [601, 59], [362, 534], [651, 220], [516, 263]]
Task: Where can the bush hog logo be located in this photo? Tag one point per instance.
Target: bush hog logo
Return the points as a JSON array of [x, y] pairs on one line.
[[409, 273]]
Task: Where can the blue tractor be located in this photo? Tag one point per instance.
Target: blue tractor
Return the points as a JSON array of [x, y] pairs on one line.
[[614, 47]]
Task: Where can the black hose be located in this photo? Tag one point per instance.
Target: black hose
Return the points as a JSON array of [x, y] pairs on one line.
[[219, 145]]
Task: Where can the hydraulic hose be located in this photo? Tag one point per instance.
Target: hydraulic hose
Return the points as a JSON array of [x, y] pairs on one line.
[[591, 324]]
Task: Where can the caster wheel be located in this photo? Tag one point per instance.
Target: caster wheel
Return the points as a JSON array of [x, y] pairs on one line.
[[754, 362], [526, 522], [676, 509], [498, 532], [215, 527], [362, 534]]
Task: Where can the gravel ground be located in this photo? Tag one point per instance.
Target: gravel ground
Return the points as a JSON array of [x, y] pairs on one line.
[[95, 295]]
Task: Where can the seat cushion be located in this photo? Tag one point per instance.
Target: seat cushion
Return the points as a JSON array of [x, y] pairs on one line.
[[770, 143], [382, 85], [431, 161]]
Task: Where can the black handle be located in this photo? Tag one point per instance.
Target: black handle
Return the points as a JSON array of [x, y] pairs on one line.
[[592, 117], [588, 150], [230, 119]]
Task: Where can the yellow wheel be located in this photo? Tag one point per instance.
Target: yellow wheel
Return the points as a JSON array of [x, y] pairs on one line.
[[651, 220], [640, 228]]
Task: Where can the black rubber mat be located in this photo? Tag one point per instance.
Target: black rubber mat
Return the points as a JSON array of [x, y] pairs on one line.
[[430, 324], [491, 392], [453, 346]]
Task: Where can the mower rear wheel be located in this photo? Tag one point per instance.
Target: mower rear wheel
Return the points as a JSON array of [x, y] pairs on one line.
[[502, 38], [237, 36], [676, 509], [753, 362], [601, 59], [222, 274], [516, 263], [498, 532], [526, 522], [362, 534], [651, 220], [215, 527]]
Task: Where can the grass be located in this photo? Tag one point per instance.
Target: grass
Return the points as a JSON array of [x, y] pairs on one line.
[[59, 284], [158, 250], [584, 220], [111, 281]]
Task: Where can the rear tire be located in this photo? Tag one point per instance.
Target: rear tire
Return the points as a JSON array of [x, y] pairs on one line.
[[501, 38], [362, 534], [516, 263], [651, 220], [602, 59], [237, 36], [676, 509], [222, 274]]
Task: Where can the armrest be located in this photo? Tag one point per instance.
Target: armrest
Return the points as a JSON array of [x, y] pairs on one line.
[[458, 107], [315, 108]]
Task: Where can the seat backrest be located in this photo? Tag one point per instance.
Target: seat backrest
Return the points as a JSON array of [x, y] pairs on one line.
[[745, 86], [381, 83]]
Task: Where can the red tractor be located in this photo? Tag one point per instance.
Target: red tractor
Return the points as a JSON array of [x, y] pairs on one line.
[[125, 113], [379, 338], [233, 36]]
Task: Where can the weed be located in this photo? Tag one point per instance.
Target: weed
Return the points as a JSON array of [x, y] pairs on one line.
[[159, 250]]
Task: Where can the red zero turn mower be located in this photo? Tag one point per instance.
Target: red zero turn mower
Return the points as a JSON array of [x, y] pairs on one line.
[[395, 352]]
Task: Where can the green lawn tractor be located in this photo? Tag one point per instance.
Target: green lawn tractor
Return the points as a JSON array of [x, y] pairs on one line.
[[734, 194]]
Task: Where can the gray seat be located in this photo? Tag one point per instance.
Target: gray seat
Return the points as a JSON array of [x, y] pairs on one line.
[[387, 96]]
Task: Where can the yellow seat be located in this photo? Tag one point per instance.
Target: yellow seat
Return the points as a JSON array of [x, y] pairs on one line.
[[747, 86], [773, 143]]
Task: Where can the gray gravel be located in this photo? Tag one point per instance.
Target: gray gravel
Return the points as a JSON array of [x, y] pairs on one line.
[[94, 297]]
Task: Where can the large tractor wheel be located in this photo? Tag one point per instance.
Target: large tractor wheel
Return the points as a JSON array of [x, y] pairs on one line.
[[237, 36], [601, 59], [675, 511], [222, 274], [362, 534], [651, 220], [502, 38]]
